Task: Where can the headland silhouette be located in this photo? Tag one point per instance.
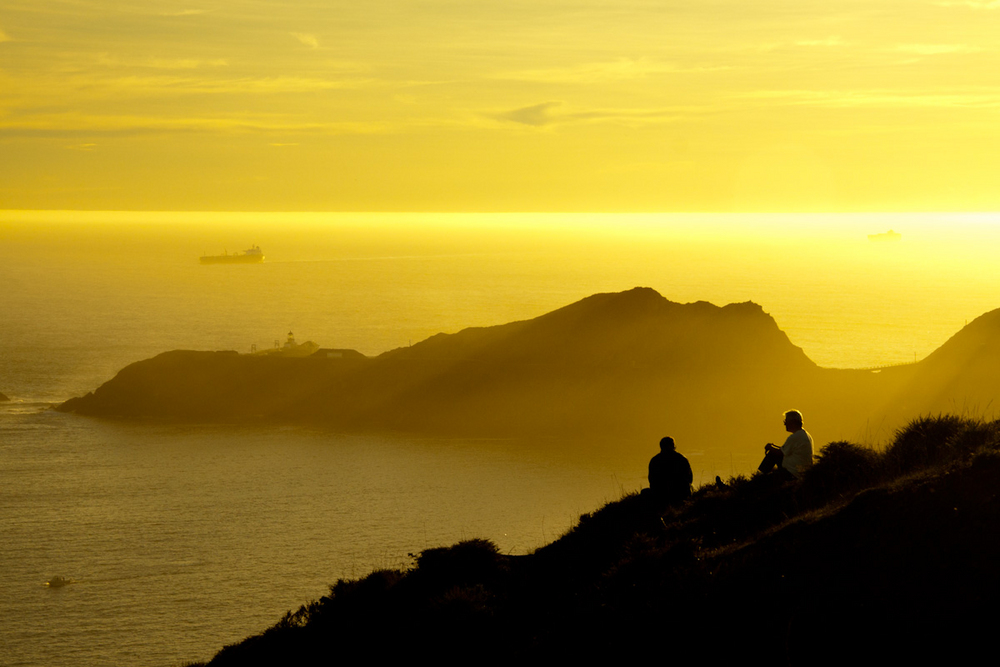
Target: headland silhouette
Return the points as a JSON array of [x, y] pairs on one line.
[[619, 364]]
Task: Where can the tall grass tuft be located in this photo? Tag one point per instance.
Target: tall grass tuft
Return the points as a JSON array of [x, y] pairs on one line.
[[928, 441]]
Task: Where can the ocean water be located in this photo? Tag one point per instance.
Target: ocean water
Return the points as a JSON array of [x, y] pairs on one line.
[[181, 539]]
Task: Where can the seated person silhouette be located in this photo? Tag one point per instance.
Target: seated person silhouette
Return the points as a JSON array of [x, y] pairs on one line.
[[669, 474], [790, 460]]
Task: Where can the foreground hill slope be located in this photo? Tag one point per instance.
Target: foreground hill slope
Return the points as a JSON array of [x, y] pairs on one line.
[[886, 555]]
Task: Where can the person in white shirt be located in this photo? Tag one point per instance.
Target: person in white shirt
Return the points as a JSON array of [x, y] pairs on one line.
[[792, 458]]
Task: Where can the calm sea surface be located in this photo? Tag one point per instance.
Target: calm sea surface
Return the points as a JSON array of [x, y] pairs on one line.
[[181, 539]]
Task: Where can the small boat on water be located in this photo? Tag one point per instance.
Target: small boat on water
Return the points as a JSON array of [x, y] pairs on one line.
[[252, 255], [885, 236], [58, 582]]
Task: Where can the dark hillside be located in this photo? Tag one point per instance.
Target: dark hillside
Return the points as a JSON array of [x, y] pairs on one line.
[[882, 555]]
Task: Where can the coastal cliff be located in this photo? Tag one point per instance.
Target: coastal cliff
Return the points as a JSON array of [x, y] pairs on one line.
[[625, 364]]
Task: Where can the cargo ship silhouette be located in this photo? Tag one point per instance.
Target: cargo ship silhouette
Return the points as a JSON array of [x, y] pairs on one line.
[[253, 255]]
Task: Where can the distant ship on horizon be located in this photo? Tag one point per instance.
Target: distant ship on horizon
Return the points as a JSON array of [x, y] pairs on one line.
[[252, 255], [885, 236]]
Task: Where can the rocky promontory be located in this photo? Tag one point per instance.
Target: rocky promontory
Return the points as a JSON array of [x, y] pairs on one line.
[[627, 364], [610, 363]]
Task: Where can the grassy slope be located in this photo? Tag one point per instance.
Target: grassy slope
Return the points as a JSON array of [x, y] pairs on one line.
[[874, 554]]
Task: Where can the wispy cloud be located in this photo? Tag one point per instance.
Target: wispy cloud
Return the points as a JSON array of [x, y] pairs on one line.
[[936, 49], [555, 113], [43, 90], [620, 69], [306, 38], [280, 84], [75, 124], [107, 60], [829, 41], [537, 115], [974, 4], [185, 12], [879, 98]]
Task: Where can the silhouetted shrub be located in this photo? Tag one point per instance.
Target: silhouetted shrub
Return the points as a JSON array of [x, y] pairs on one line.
[[929, 441], [466, 563], [922, 442], [375, 584], [974, 436], [842, 467]]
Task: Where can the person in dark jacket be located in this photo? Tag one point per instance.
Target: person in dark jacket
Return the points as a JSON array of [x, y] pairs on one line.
[[669, 474]]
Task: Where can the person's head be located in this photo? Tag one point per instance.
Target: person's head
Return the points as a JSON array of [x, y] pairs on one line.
[[793, 420], [667, 444]]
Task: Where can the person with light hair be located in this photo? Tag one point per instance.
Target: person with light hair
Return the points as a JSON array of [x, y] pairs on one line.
[[793, 458]]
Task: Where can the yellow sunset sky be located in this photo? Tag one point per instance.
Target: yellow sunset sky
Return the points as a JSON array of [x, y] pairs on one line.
[[514, 105]]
